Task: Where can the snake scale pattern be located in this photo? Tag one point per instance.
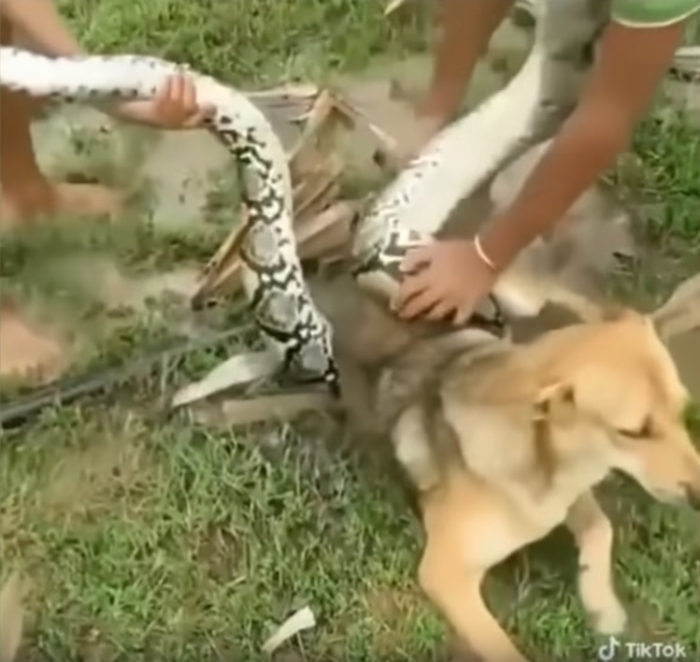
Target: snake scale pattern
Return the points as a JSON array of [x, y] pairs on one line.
[[407, 213], [272, 275]]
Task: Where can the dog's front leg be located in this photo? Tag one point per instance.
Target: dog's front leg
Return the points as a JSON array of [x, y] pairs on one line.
[[456, 592], [594, 536]]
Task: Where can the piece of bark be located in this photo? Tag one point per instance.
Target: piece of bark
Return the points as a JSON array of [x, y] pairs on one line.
[[317, 118], [317, 193], [328, 233]]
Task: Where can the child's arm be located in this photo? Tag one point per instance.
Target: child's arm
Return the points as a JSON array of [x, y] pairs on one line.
[[174, 108], [632, 64], [456, 275], [41, 22], [466, 27]]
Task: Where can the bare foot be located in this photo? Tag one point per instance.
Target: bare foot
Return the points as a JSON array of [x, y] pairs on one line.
[[26, 351], [48, 199]]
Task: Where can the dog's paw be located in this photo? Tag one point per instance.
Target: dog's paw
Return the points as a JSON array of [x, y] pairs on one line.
[[611, 620]]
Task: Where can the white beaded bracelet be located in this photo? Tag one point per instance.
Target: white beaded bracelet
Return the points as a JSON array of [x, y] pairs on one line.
[[482, 254]]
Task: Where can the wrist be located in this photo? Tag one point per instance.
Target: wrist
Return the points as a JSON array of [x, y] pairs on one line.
[[483, 255], [500, 242]]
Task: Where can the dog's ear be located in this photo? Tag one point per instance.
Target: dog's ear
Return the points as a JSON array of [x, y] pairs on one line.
[[556, 403], [554, 407], [681, 312]]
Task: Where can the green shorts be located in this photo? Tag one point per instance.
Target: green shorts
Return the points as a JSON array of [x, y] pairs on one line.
[[652, 13]]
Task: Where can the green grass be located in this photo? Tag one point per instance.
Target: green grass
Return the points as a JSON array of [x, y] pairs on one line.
[[240, 41], [158, 539]]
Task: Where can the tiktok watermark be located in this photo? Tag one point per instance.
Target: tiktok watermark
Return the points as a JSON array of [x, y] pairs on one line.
[[614, 649]]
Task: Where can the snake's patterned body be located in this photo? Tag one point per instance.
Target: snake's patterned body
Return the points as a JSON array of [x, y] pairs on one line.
[[272, 273], [409, 212]]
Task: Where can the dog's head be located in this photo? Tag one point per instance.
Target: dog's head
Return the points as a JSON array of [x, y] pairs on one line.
[[613, 387]]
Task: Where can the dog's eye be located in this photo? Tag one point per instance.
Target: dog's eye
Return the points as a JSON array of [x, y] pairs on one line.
[[644, 432]]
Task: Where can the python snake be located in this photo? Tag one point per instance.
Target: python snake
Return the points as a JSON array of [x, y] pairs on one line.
[[409, 212], [272, 275]]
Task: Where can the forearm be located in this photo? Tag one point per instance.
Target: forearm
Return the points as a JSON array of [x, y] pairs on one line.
[[41, 22], [466, 26], [619, 90], [587, 146]]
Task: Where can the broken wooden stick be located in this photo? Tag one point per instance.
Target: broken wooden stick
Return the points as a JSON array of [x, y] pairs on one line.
[[324, 234], [327, 233], [316, 177]]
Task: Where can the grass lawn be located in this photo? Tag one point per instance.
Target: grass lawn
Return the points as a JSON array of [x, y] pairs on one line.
[[151, 539]]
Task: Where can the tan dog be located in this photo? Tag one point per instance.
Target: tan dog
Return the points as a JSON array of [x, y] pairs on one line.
[[504, 442]]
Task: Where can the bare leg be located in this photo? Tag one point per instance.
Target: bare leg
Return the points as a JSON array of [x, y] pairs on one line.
[[594, 536], [466, 31], [26, 195], [26, 192]]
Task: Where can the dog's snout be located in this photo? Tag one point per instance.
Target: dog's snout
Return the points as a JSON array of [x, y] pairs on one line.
[[692, 495]]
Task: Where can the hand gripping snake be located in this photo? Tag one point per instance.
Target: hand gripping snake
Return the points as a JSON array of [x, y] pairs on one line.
[[272, 273], [408, 213]]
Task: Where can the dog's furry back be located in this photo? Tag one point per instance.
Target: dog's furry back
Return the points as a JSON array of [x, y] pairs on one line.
[[385, 362]]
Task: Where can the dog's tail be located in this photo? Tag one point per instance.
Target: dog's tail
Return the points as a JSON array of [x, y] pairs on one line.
[[681, 311], [11, 618]]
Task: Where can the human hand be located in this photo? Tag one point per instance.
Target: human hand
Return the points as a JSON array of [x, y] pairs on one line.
[[174, 107], [443, 278]]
